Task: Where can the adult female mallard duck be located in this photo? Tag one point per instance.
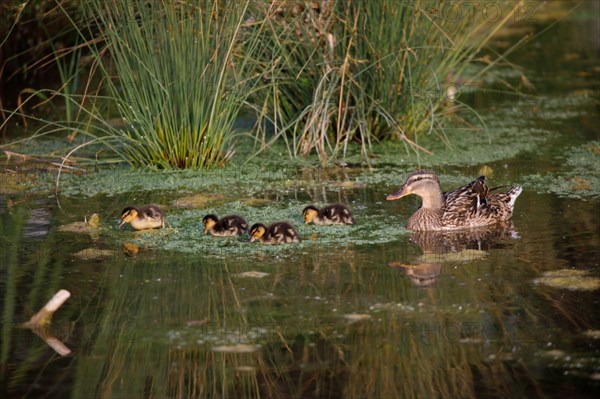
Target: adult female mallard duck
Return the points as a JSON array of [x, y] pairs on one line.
[[276, 233], [227, 226], [142, 218], [466, 207], [331, 214]]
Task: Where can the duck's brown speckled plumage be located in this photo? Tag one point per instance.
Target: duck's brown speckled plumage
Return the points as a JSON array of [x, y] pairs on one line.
[[328, 215], [466, 207], [227, 226], [276, 233]]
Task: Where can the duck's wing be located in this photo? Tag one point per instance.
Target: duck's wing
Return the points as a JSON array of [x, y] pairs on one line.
[[474, 205], [336, 213], [153, 212], [237, 223], [473, 194], [467, 205], [282, 232]]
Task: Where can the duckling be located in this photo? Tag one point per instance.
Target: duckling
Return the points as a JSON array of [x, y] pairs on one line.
[[227, 226], [142, 218], [331, 214], [466, 207], [276, 233]]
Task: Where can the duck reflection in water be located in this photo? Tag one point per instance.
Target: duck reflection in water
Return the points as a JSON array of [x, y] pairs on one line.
[[441, 247]]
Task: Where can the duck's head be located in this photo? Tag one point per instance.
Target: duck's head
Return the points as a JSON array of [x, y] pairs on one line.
[[128, 214], [423, 183], [257, 231], [309, 213], [209, 222]]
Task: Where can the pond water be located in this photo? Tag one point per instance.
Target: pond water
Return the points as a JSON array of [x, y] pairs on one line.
[[369, 310]]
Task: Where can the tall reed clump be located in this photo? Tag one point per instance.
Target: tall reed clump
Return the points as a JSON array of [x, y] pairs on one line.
[[360, 71], [175, 72]]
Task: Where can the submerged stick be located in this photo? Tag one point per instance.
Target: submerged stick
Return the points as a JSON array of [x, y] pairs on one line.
[[39, 322], [53, 342], [44, 316]]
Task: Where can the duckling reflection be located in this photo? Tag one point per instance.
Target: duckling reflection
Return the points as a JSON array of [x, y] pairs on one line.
[[421, 274], [441, 247]]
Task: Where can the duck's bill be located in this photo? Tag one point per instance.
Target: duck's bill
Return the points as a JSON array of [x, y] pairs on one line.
[[122, 223], [403, 192]]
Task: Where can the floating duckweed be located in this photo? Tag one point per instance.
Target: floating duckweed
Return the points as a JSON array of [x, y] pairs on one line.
[[11, 183], [595, 334], [554, 354], [198, 200], [245, 369], [93, 253], [578, 180], [571, 279], [238, 348], [467, 255], [77, 227], [185, 231], [252, 274], [354, 317]]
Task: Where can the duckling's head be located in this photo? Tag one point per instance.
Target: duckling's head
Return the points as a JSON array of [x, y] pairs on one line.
[[257, 231], [128, 214], [209, 222], [423, 183], [309, 213]]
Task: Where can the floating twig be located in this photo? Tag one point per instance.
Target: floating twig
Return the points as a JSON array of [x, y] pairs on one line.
[[44, 316], [40, 321]]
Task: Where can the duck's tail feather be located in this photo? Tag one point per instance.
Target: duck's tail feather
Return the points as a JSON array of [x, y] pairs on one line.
[[513, 193]]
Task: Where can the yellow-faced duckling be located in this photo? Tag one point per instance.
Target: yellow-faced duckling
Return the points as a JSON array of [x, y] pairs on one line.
[[331, 214], [276, 233], [466, 207], [227, 226], [142, 218]]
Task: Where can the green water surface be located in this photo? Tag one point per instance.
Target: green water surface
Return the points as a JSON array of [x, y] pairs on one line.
[[363, 311]]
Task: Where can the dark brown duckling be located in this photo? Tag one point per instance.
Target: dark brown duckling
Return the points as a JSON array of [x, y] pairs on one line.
[[227, 226], [331, 214], [276, 233]]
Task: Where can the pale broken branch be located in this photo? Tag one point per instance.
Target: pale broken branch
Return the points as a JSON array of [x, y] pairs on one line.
[[40, 321], [44, 316]]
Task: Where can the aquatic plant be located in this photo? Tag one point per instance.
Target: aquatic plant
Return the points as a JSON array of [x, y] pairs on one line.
[[323, 75], [180, 82], [40, 48], [362, 71]]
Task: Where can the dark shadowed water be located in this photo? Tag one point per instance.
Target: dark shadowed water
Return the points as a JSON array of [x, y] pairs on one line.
[[364, 311]]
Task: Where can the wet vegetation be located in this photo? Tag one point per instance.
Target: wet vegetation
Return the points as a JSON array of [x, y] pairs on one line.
[[327, 78], [368, 310]]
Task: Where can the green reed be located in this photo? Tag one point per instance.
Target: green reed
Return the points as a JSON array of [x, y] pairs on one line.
[[362, 71], [180, 80]]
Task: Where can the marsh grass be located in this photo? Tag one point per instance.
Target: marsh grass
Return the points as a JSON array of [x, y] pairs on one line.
[[180, 81], [331, 78], [363, 71]]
